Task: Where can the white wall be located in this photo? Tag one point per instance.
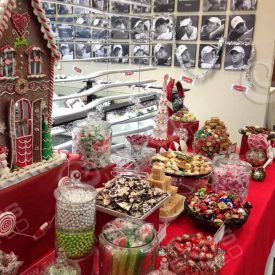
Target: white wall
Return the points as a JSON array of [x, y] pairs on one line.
[[214, 97]]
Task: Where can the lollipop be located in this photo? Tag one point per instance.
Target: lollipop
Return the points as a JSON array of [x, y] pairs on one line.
[[7, 223]]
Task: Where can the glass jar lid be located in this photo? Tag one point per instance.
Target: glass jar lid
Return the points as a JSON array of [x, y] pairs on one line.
[[75, 193], [233, 159]]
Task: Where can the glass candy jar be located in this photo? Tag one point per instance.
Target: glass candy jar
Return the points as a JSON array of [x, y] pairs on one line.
[[256, 157], [127, 247], [75, 219], [233, 175], [92, 141], [163, 269], [62, 266], [136, 144]]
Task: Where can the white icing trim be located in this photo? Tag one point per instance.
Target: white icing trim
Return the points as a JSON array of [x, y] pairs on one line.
[[36, 76], [45, 27], [31, 170]]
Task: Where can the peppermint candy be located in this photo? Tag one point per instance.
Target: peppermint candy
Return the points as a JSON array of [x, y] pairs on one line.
[[7, 223]]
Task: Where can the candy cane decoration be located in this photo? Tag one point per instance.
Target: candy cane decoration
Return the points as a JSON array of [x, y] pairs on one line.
[[50, 103], [6, 7], [45, 27], [7, 223]]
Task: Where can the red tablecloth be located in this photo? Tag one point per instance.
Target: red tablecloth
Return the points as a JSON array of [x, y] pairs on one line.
[[247, 248], [33, 203]]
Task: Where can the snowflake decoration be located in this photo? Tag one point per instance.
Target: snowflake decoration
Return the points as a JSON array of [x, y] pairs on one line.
[[2, 128]]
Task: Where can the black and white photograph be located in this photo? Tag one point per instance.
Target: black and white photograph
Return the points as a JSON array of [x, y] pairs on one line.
[[243, 5], [119, 7], [212, 27], [164, 5], [50, 9], [163, 28], [64, 9], [188, 5], [66, 29], [185, 55], [82, 50], [141, 9], [214, 5], [101, 5], [187, 28], [99, 30], [236, 57], [140, 28], [241, 28], [162, 54], [208, 57], [140, 54], [120, 53], [78, 10], [101, 50], [85, 30], [67, 51], [121, 26]]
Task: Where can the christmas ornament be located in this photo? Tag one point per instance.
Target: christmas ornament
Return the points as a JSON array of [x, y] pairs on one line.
[[258, 174]]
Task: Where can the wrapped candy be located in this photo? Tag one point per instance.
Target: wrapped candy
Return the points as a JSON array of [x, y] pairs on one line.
[[92, 141], [195, 254], [233, 175], [127, 247], [75, 219], [206, 143], [9, 263], [257, 153]]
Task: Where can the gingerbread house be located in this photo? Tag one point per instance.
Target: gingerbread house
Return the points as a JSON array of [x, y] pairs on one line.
[[27, 56]]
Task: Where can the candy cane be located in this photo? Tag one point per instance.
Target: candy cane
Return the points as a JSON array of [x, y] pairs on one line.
[[5, 14], [7, 223], [45, 28], [50, 103]]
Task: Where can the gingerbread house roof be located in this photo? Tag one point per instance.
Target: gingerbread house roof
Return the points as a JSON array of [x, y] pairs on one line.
[[6, 7]]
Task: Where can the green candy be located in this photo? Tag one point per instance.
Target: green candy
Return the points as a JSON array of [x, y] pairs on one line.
[[75, 245]]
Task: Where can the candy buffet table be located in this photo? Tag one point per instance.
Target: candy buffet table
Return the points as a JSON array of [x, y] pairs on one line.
[[248, 247]]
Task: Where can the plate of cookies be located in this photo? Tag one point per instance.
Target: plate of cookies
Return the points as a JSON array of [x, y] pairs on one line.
[[181, 164]]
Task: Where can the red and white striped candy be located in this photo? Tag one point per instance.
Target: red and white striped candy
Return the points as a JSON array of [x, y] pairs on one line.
[[7, 223], [64, 181]]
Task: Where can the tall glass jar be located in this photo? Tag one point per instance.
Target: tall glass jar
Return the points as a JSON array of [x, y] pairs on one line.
[[92, 139], [75, 219], [127, 247], [232, 174]]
